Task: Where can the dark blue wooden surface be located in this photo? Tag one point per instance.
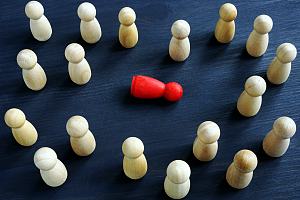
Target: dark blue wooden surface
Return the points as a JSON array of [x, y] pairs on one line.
[[212, 77]]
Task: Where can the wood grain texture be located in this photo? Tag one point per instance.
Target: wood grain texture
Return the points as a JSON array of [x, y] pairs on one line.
[[212, 77]]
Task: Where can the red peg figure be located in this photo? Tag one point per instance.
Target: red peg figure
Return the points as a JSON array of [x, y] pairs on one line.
[[145, 87]]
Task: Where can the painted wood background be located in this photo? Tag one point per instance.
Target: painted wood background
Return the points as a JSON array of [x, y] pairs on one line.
[[212, 77]]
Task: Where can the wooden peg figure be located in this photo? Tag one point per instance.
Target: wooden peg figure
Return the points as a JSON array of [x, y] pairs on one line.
[[79, 69], [277, 141], [128, 33], [39, 25], [205, 146], [81, 138], [89, 26], [258, 40], [134, 162], [280, 68], [177, 182], [52, 170], [23, 131], [33, 74], [250, 100], [179, 47], [240, 172], [225, 28]]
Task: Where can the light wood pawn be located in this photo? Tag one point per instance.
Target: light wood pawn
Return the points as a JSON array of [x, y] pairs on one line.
[[258, 40], [225, 28], [128, 33], [177, 182], [179, 47], [52, 170], [39, 25], [280, 68], [205, 146], [240, 172], [134, 162], [250, 100], [81, 138], [33, 74], [277, 141], [79, 69], [89, 26], [23, 131]]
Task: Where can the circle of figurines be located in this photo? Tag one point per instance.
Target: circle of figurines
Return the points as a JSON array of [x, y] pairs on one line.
[[205, 147]]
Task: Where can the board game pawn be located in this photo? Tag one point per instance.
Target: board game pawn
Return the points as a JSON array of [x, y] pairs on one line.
[[78, 67], [225, 28], [145, 87], [52, 170], [240, 172], [128, 33], [177, 182], [39, 25], [134, 162], [205, 146], [23, 131], [81, 138], [33, 74], [250, 100], [89, 26], [280, 68], [277, 141], [179, 47], [258, 40]]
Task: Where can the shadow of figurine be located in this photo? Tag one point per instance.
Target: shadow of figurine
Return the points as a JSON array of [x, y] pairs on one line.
[[212, 48]]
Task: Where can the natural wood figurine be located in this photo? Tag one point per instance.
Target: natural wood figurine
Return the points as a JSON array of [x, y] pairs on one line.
[[134, 162], [89, 26], [23, 131], [240, 172], [179, 47], [258, 40], [128, 33], [52, 170], [225, 28], [277, 141], [81, 138], [33, 74], [79, 69], [177, 182], [205, 146], [39, 25], [280, 68], [250, 100]]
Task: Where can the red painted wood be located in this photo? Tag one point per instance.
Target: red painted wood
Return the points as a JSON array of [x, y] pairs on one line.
[[145, 87]]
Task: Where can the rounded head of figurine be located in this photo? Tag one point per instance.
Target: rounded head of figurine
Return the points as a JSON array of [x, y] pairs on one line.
[[26, 59], [286, 52], [284, 127], [181, 29], [77, 126], [228, 12], [74, 53], [245, 161], [14, 118], [173, 91], [255, 86], [263, 24], [132, 147], [86, 11], [34, 10], [45, 158], [208, 132], [178, 171], [127, 16]]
